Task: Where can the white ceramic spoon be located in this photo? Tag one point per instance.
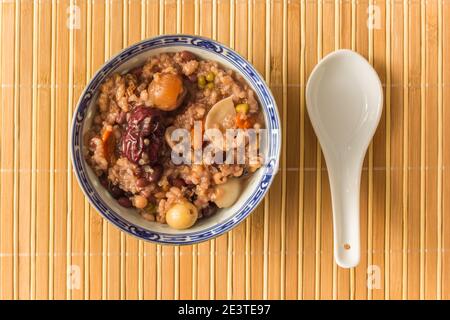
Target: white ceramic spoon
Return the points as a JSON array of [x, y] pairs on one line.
[[344, 99]]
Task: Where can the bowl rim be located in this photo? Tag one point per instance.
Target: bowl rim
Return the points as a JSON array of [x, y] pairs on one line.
[[269, 108]]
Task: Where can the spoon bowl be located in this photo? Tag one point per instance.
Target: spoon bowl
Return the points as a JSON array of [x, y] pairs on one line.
[[344, 99]]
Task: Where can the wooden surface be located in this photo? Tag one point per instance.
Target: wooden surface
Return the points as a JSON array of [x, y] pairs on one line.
[[54, 245]]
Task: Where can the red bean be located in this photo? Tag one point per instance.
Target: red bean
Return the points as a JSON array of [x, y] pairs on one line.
[[210, 210], [121, 117], [125, 202], [137, 72], [155, 174], [178, 182], [146, 193], [104, 181], [142, 182], [187, 56], [115, 191]]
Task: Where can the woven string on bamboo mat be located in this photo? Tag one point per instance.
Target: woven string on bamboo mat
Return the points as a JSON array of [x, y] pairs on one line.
[[53, 244]]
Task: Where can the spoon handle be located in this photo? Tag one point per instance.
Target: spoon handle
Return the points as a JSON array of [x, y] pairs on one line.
[[345, 184]]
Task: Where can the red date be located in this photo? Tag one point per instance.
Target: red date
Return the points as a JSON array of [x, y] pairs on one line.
[[143, 134]]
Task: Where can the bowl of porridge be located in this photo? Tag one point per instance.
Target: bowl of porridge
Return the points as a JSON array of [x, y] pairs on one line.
[[176, 139]]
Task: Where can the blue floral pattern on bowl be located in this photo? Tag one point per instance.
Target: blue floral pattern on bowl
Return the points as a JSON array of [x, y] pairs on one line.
[[272, 123]]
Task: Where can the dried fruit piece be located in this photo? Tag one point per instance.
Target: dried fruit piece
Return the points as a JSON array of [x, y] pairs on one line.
[[167, 91], [182, 215], [144, 123], [221, 110], [227, 193]]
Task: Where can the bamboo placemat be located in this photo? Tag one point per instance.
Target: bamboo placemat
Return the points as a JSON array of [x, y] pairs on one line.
[[54, 245]]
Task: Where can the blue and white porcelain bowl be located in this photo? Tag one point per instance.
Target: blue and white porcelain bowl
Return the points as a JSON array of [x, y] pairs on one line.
[[129, 220]]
